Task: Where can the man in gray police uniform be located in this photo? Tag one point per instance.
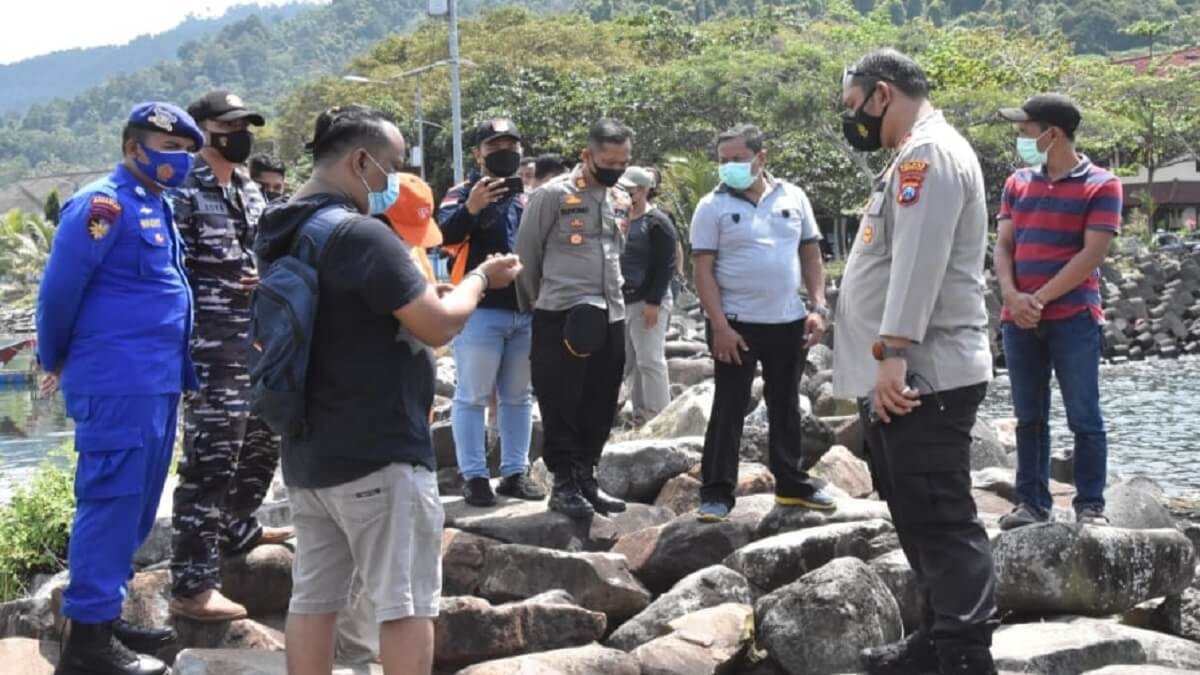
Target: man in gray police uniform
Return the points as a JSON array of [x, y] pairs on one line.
[[912, 298]]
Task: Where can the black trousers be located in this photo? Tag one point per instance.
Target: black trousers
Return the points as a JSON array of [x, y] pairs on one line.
[[780, 349], [577, 396], [920, 464]]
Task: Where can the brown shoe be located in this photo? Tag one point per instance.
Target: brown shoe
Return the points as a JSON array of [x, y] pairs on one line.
[[276, 535], [208, 607]]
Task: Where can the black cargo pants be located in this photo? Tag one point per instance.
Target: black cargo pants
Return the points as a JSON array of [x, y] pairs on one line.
[[921, 465]]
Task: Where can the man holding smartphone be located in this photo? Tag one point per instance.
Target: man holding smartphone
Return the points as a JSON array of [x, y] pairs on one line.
[[479, 219]]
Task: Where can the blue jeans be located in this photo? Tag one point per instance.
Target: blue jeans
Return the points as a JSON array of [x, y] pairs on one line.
[[492, 355], [1071, 348]]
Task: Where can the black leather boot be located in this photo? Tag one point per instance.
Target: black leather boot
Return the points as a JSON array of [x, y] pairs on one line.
[[92, 649], [966, 661], [603, 503], [914, 655], [144, 639], [567, 499]]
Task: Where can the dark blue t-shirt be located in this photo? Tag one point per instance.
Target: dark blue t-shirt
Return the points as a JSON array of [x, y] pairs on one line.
[[370, 384]]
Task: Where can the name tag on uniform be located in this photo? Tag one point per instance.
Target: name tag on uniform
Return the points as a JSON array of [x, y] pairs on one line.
[[211, 205], [875, 206]]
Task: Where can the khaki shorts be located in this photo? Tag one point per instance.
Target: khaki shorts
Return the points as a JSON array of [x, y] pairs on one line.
[[387, 526]]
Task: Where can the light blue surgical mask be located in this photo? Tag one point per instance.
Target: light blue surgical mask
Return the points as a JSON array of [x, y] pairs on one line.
[[737, 175], [380, 202], [1027, 149]]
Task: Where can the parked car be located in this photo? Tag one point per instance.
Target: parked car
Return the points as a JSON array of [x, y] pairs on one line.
[[1169, 242]]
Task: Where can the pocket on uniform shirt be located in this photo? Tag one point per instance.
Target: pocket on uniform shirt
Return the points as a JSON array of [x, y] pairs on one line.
[[155, 254], [111, 462], [873, 236]]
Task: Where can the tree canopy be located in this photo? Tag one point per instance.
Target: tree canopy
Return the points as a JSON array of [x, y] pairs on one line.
[[677, 83]]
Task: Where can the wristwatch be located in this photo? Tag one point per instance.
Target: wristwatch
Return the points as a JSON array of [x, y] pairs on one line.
[[882, 351], [820, 310]]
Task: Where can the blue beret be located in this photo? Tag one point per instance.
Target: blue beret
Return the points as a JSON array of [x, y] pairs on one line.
[[167, 118]]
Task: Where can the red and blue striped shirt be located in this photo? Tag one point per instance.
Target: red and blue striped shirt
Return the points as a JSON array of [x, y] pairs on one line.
[[1050, 219]]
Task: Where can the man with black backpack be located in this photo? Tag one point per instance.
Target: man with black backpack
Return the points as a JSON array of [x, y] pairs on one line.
[[359, 462]]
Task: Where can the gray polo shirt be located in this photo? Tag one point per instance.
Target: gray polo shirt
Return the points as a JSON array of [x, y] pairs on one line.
[[570, 243], [916, 269], [757, 250]]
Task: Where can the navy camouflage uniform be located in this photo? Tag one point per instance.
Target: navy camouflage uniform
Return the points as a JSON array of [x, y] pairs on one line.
[[229, 456]]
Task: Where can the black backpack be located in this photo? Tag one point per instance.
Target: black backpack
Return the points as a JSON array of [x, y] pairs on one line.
[[283, 314]]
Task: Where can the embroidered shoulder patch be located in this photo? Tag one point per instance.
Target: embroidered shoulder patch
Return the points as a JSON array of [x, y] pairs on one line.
[[912, 175], [572, 200], [97, 229], [105, 208]]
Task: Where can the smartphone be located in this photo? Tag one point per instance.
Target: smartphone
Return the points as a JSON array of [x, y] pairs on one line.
[[513, 185]]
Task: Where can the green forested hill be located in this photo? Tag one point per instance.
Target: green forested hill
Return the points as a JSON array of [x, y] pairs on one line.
[[267, 61], [64, 74]]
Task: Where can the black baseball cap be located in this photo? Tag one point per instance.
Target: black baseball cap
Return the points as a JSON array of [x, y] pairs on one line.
[[498, 127], [1056, 110], [223, 106]]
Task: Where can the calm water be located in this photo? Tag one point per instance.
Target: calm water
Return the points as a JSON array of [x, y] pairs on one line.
[[1150, 410], [30, 427]]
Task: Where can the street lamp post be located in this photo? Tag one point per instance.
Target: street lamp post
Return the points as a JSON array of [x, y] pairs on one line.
[[455, 93], [417, 101]]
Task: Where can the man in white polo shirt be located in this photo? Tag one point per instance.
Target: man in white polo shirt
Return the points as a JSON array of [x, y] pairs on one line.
[[754, 240]]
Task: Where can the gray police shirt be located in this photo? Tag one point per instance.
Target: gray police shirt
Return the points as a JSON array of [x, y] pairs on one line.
[[916, 268], [570, 242], [757, 250]]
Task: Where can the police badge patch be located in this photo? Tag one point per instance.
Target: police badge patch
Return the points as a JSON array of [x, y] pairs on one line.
[[912, 175]]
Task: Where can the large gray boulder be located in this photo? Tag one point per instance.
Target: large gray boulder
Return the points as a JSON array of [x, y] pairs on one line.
[[28, 656], [897, 574], [708, 587], [589, 660], [787, 519], [463, 556], [687, 415], [1061, 568], [1180, 615], [661, 556], [706, 642], [1074, 645], [775, 561], [1136, 505], [532, 524], [470, 630], [840, 467], [600, 582], [637, 470], [261, 580], [986, 447], [248, 662], [820, 623]]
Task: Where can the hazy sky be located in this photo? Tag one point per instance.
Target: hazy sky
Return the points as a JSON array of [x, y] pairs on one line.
[[41, 26]]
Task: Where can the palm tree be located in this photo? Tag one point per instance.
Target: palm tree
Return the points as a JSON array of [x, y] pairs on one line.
[[25, 240]]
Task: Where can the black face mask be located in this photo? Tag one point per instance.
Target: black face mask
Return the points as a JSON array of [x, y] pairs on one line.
[[234, 146], [606, 177], [862, 131], [271, 196], [502, 163]]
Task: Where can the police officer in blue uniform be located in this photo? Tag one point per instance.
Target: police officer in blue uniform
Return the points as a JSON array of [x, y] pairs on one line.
[[114, 317]]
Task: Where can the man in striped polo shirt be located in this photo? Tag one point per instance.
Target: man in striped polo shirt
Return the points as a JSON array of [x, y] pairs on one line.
[[1057, 219]]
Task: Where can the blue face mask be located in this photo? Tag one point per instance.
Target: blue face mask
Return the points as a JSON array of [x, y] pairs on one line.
[[380, 202], [737, 175], [1027, 148], [168, 169]]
